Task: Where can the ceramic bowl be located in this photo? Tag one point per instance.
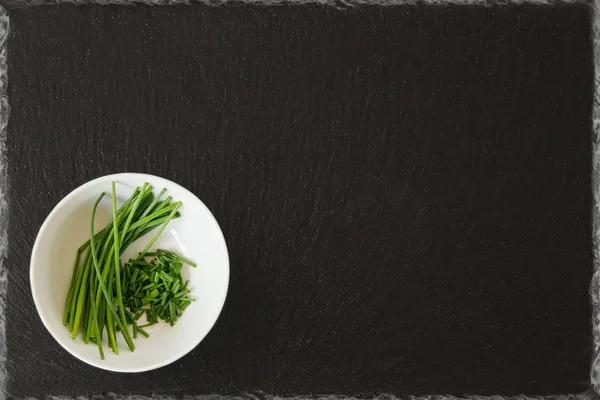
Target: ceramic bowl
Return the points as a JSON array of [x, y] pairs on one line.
[[195, 235]]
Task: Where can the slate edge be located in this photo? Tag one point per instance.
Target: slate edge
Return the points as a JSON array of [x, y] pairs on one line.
[[592, 394]]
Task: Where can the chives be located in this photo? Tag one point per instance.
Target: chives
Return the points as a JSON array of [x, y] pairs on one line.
[[105, 296], [163, 293]]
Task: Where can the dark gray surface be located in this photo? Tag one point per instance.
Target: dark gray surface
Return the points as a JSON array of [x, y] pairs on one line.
[[405, 191]]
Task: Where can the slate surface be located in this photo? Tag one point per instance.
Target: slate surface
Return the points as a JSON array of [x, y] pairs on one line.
[[405, 191]]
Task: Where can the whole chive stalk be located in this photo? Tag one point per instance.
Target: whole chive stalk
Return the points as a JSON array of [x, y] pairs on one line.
[[73, 297], [152, 204], [81, 300], [98, 336], [162, 228], [105, 258], [123, 326], [71, 289], [136, 203], [158, 213], [109, 301]]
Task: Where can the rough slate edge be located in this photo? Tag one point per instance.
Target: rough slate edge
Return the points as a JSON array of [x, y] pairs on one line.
[[595, 284], [592, 394]]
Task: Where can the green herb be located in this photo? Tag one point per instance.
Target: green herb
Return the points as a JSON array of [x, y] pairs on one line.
[[163, 293], [106, 296]]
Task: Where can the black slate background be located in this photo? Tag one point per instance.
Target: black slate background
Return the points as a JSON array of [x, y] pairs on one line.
[[405, 191]]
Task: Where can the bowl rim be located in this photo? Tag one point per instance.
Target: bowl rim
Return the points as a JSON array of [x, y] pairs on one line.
[[142, 177]]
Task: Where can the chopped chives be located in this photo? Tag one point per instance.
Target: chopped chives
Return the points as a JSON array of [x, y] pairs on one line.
[[175, 287], [182, 293], [150, 285], [172, 313], [134, 275], [166, 276]]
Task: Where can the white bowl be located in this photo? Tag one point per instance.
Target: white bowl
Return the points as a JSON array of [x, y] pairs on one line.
[[195, 235]]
